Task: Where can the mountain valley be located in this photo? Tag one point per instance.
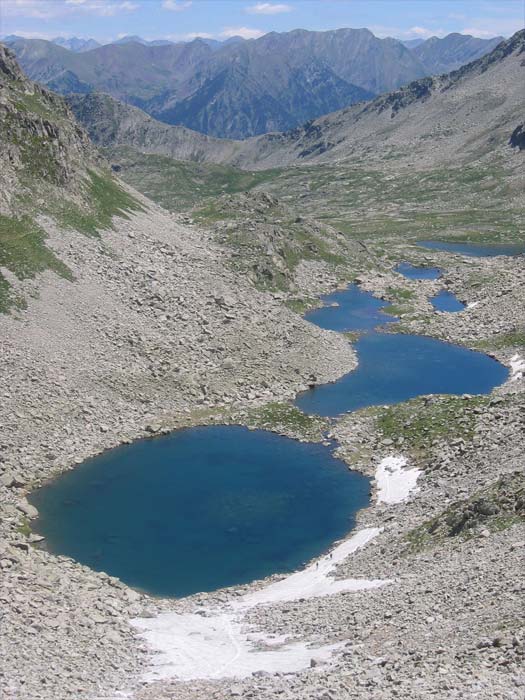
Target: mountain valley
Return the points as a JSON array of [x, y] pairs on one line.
[[155, 276]]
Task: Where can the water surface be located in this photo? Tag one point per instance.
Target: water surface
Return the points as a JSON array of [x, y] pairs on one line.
[[215, 506], [396, 367], [418, 272], [476, 250], [201, 508], [354, 310], [446, 301]]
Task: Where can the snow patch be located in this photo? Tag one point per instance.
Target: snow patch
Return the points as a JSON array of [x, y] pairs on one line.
[[517, 368], [315, 580], [472, 304], [215, 643], [192, 646], [394, 483]]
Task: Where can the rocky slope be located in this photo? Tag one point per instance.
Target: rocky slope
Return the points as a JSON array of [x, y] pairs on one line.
[[48, 168], [111, 123], [39, 137]]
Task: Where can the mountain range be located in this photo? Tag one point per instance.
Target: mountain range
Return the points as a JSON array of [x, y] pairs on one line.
[[467, 112], [242, 88]]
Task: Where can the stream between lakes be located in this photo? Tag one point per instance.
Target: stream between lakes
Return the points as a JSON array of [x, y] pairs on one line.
[[214, 506]]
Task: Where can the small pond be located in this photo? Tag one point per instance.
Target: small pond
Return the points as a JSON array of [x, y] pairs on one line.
[[476, 250], [418, 272], [349, 309], [201, 508], [446, 301]]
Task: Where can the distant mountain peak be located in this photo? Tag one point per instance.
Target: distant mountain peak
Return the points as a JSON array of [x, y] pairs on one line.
[[241, 88], [76, 44]]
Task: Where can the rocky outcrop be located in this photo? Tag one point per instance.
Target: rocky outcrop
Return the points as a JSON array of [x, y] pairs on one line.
[[39, 137], [517, 139]]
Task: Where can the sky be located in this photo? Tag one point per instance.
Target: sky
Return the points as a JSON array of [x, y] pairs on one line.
[[183, 20]]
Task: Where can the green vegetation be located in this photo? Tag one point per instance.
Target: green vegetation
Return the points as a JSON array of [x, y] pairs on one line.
[[105, 199], [178, 185], [401, 297], [286, 418], [352, 336], [514, 339], [399, 294], [25, 527], [35, 104], [23, 251], [397, 310], [267, 240], [495, 508], [474, 202], [302, 305], [421, 421]]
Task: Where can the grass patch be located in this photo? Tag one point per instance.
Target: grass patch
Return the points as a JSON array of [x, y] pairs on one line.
[[24, 528], [288, 419], [23, 251], [180, 185], [301, 306], [396, 310], [399, 294], [514, 339], [421, 421], [105, 199], [353, 336]]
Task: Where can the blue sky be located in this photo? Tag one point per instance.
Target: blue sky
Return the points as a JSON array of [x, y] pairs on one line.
[[107, 20]]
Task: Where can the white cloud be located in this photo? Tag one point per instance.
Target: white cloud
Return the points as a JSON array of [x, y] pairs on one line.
[[487, 28], [268, 8], [383, 31], [424, 33], [28, 8], [476, 31], [46, 9], [176, 5], [34, 35], [244, 32], [196, 35]]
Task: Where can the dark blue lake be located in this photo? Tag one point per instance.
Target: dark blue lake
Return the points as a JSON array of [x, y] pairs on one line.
[[476, 250], [446, 301], [201, 508], [397, 367], [216, 506], [414, 272], [355, 311]]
